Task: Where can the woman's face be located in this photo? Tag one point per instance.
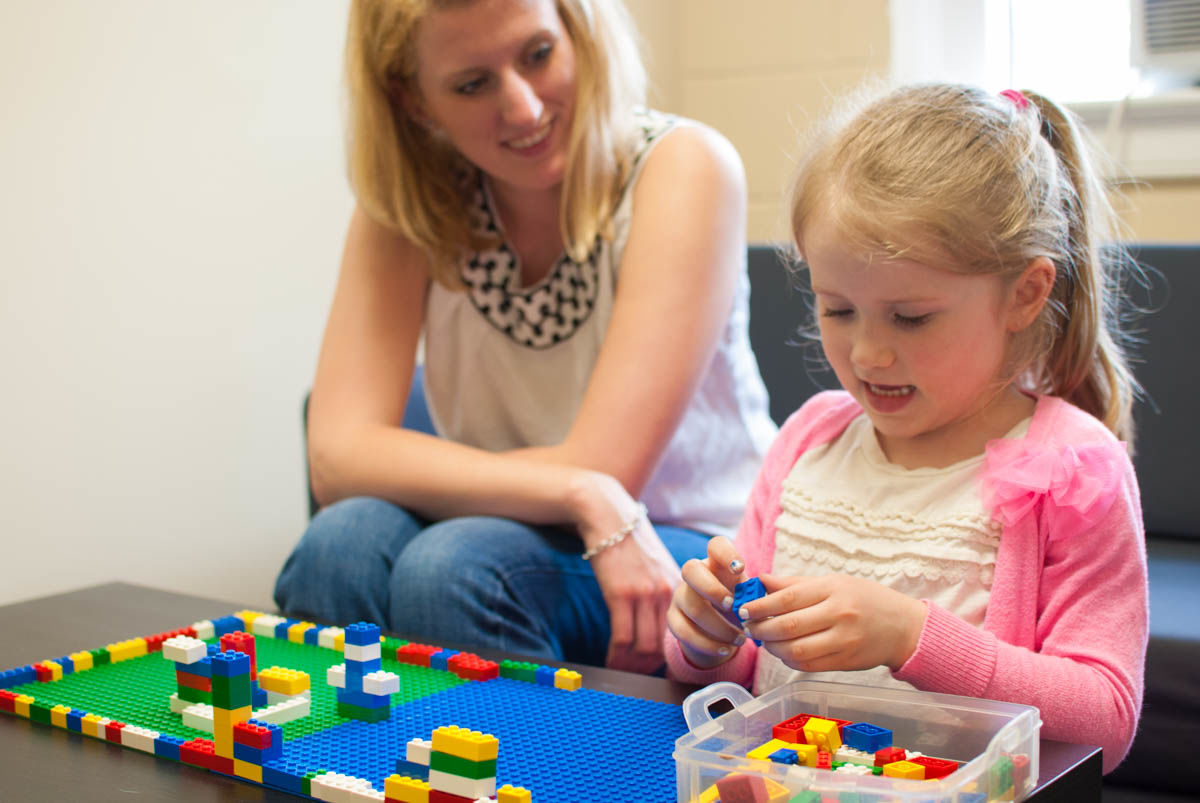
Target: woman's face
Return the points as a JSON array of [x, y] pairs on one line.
[[497, 78]]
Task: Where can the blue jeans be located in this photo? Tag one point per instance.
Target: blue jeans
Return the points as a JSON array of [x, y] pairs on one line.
[[477, 581]]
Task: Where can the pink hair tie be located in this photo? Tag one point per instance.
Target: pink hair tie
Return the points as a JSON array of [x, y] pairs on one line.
[[1018, 99]]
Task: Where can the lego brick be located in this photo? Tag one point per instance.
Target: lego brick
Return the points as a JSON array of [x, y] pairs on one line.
[[904, 769], [288, 711], [363, 652], [265, 624], [406, 790], [381, 683], [75, 720], [419, 751], [184, 649], [415, 654], [934, 767], [823, 733], [455, 765], [741, 788], [471, 667], [296, 631], [326, 636], [513, 794], [568, 679], [362, 699], [248, 770], [438, 796], [362, 633], [138, 738], [465, 743], [336, 676], [518, 670], [469, 788], [230, 664], [283, 681], [186, 680], [889, 754], [784, 755], [230, 693], [764, 750], [867, 737], [167, 746], [361, 713]]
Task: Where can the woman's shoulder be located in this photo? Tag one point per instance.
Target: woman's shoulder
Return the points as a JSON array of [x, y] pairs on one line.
[[679, 147]]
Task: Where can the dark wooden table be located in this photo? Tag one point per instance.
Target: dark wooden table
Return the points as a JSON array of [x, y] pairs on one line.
[[38, 762]]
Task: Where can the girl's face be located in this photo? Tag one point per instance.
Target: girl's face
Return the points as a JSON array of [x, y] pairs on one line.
[[922, 349], [497, 77]]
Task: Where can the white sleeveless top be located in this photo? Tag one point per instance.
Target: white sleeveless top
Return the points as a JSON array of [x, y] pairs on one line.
[[507, 366], [845, 509]]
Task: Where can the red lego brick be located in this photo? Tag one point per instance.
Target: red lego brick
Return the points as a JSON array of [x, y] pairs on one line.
[[1020, 771], [193, 681], [889, 754], [472, 667], [240, 641], [738, 789], [935, 767], [255, 736], [792, 729], [201, 753], [415, 654], [8, 701], [112, 731], [438, 796], [824, 760], [43, 673]]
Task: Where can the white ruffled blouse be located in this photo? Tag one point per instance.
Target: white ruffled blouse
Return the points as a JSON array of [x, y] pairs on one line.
[[923, 532]]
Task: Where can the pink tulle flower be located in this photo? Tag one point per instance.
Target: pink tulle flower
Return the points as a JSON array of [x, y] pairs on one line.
[[1075, 485]]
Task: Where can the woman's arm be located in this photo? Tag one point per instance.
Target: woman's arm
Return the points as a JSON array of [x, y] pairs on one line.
[[356, 446], [680, 268]]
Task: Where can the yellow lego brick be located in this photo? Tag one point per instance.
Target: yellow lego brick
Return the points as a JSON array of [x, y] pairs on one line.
[[55, 669], [567, 679], [465, 743], [513, 794], [223, 722], [406, 790], [807, 753], [58, 715], [823, 733], [87, 726], [248, 618], [124, 650], [339, 641], [244, 769], [764, 750], [22, 705], [296, 632], [709, 795], [282, 680], [777, 792], [904, 769], [81, 660]]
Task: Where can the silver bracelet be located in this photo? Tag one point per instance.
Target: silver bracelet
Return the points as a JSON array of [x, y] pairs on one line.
[[616, 537]]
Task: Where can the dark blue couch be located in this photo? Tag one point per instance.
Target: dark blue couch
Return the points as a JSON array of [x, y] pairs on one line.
[[1168, 448]]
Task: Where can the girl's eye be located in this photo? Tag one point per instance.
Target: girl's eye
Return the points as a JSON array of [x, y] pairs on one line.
[[471, 87], [911, 321], [835, 313], [540, 53]]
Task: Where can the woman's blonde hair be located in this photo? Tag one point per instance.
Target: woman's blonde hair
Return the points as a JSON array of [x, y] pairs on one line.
[[412, 181], [957, 178]]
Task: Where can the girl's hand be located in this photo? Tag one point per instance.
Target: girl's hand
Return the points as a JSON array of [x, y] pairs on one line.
[[701, 615], [636, 576], [835, 622]]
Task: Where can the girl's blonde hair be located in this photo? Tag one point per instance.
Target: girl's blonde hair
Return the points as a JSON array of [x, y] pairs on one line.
[[413, 181], [957, 178]]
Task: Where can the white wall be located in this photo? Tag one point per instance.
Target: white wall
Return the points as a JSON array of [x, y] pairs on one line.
[[172, 205]]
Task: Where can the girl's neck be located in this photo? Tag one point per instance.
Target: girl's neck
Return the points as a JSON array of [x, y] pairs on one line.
[[529, 219], [964, 438]]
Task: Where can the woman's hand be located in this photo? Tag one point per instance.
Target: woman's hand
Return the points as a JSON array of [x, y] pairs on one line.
[[701, 615], [834, 622], [636, 576]]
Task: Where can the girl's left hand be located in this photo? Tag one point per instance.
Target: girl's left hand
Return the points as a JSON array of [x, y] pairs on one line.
[[834, 622]]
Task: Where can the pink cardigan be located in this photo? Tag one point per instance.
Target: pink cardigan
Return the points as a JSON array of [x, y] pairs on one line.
[[1066, 623]]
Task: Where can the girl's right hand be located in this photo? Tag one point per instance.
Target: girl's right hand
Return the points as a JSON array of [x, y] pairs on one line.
[[701, 614]]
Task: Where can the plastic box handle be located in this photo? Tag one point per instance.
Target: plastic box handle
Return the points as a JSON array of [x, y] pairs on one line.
[[696, 704]]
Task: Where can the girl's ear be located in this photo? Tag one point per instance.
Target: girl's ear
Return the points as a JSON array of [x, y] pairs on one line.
[[1028, 294]]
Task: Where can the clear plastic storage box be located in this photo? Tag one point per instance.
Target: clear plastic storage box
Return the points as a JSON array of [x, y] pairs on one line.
[[995, 744]]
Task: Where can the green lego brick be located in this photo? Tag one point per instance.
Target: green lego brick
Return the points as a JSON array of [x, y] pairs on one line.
[[306, 784], [390, 645], [1000, 776], [100, 657], [194, 695], [518, 670], [807, 796], [462, 767], [40, 712], [230, 693], [350, 711]]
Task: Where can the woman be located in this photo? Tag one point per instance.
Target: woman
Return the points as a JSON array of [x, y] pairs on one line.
[[575, 266]]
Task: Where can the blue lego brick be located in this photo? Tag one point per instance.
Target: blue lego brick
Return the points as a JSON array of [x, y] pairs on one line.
[[867, 737], [412, 769], [440, 659], [312, 635], [230, 664], [364, 700], [167, 746], [281, 629], [253, 755], [502, 708], [785, 755], [68, 666], [747, 591], [75, 720], [362, 634], [258, 697], [544, 676], [285, 774], [201, 668], [17, 677], [226, 624]]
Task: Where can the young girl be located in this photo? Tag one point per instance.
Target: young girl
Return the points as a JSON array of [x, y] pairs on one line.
[[962, 518]]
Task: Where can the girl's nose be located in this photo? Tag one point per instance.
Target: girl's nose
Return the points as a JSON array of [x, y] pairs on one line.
[[870, 353], [520, 104]]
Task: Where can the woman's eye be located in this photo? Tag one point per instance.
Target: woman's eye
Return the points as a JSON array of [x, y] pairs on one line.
[[540, 53], [911, 321], [471, 87]]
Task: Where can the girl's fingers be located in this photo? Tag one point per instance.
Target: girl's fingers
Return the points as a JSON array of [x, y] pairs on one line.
[[725, 563], [784, 594], [688, 632], [698, 575], [706, 619], [790, 625]]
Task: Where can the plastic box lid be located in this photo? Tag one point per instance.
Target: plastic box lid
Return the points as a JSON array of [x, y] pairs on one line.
[[995, 743]]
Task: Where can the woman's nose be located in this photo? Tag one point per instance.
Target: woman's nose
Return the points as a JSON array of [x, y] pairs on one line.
[[521, 105]]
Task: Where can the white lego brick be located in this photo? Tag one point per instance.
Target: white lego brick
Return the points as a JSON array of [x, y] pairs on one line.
[[850, 755], [418, 750], [362, 652], [99, 728], [274, 697], [380, 683], [463, 787], [854, 769], [295, 708], [265, 625], [204, 630], [327, 637], [138, 738], [338, 788], [336, 676], [199, 716], [184, 649], [179, 706]]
